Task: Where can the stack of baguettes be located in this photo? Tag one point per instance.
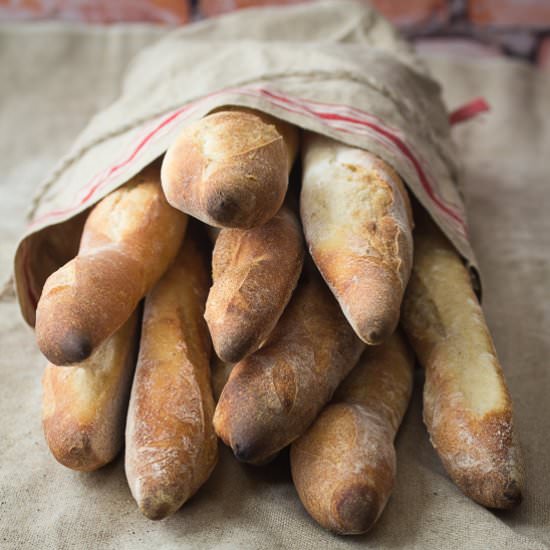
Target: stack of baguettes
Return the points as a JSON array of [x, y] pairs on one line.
[[308, 351]]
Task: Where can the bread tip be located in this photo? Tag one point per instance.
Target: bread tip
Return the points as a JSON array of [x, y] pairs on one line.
[[375, 337], [229, 355], [250, 453], [230, 350], [355, 509], [75, 348], [378, 331], [154, 510], [247, 446], [513, 496], [510, 497], [75, 452], [224, 210], [155, 500], [243, 452]]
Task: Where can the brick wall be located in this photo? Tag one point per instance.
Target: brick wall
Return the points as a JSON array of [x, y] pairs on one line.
[[171, 12], [480, 28]]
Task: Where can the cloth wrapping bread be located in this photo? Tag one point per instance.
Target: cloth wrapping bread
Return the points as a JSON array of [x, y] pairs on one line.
[[336, 68], [45, 505]]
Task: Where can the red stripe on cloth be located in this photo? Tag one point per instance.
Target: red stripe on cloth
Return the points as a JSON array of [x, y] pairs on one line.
[[304, 107], [469, 110], [400, 145], [306, 104], [406, 151], [112, 170], [295, 105], [140, 146]]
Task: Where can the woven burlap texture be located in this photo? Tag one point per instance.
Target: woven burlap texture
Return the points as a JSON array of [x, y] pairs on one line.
[[43, 505]]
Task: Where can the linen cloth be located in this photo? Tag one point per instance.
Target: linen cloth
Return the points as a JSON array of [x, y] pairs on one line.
[[45, 103], [335, 67]]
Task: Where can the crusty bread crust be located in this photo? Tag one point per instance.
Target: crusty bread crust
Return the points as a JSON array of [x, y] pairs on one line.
[[128, 241], [171, 447], [358, 225], [343, 467], [467, 406], [273, 395], [84, 407], [254, 273], [230, 169]]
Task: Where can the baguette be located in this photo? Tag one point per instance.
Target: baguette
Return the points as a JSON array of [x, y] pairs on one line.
[[254, 273], [171, 447], [230, 169], [273, 395], [128, 241], [343, 467], [84, 407], [467, 407], [358, 225]]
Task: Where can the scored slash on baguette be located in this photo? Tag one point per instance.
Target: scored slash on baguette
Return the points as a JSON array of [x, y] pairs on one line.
[[467, 406], [230, 169], [358, 225], [84, 407], [254, 273], [343, 467], [129, 239]]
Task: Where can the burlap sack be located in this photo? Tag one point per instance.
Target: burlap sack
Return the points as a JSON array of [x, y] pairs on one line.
[[335, 67], [44, 104]]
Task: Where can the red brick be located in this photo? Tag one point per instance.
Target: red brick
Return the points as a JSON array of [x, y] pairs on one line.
[[217, 7], [97, 11], [401, 12], [407, 13], [543, 56], [510, 13]]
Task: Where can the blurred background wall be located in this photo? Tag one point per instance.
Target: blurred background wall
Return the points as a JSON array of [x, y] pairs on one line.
[[470, 28]]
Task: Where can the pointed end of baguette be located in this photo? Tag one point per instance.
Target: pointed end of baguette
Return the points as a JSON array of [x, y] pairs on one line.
[[75, 347], [355, 509], [156, 510], [493, 491], [71, 348]]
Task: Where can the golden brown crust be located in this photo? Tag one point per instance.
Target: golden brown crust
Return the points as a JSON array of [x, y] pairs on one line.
[[230, 169], [343, 467], [254, 273], [128, 241], [84, 407], [358, 225], [171, 447], [273, 395], [467, 406]]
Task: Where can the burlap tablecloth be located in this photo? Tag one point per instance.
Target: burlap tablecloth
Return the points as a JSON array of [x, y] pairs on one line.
[[52, 79]]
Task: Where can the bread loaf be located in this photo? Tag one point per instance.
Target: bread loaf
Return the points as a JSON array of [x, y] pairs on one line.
[[84, 407], [467, 407], [230, 169], [128, 241], [343, 467], [254, 273], [171, 447], [273, 395], [358, 225]]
